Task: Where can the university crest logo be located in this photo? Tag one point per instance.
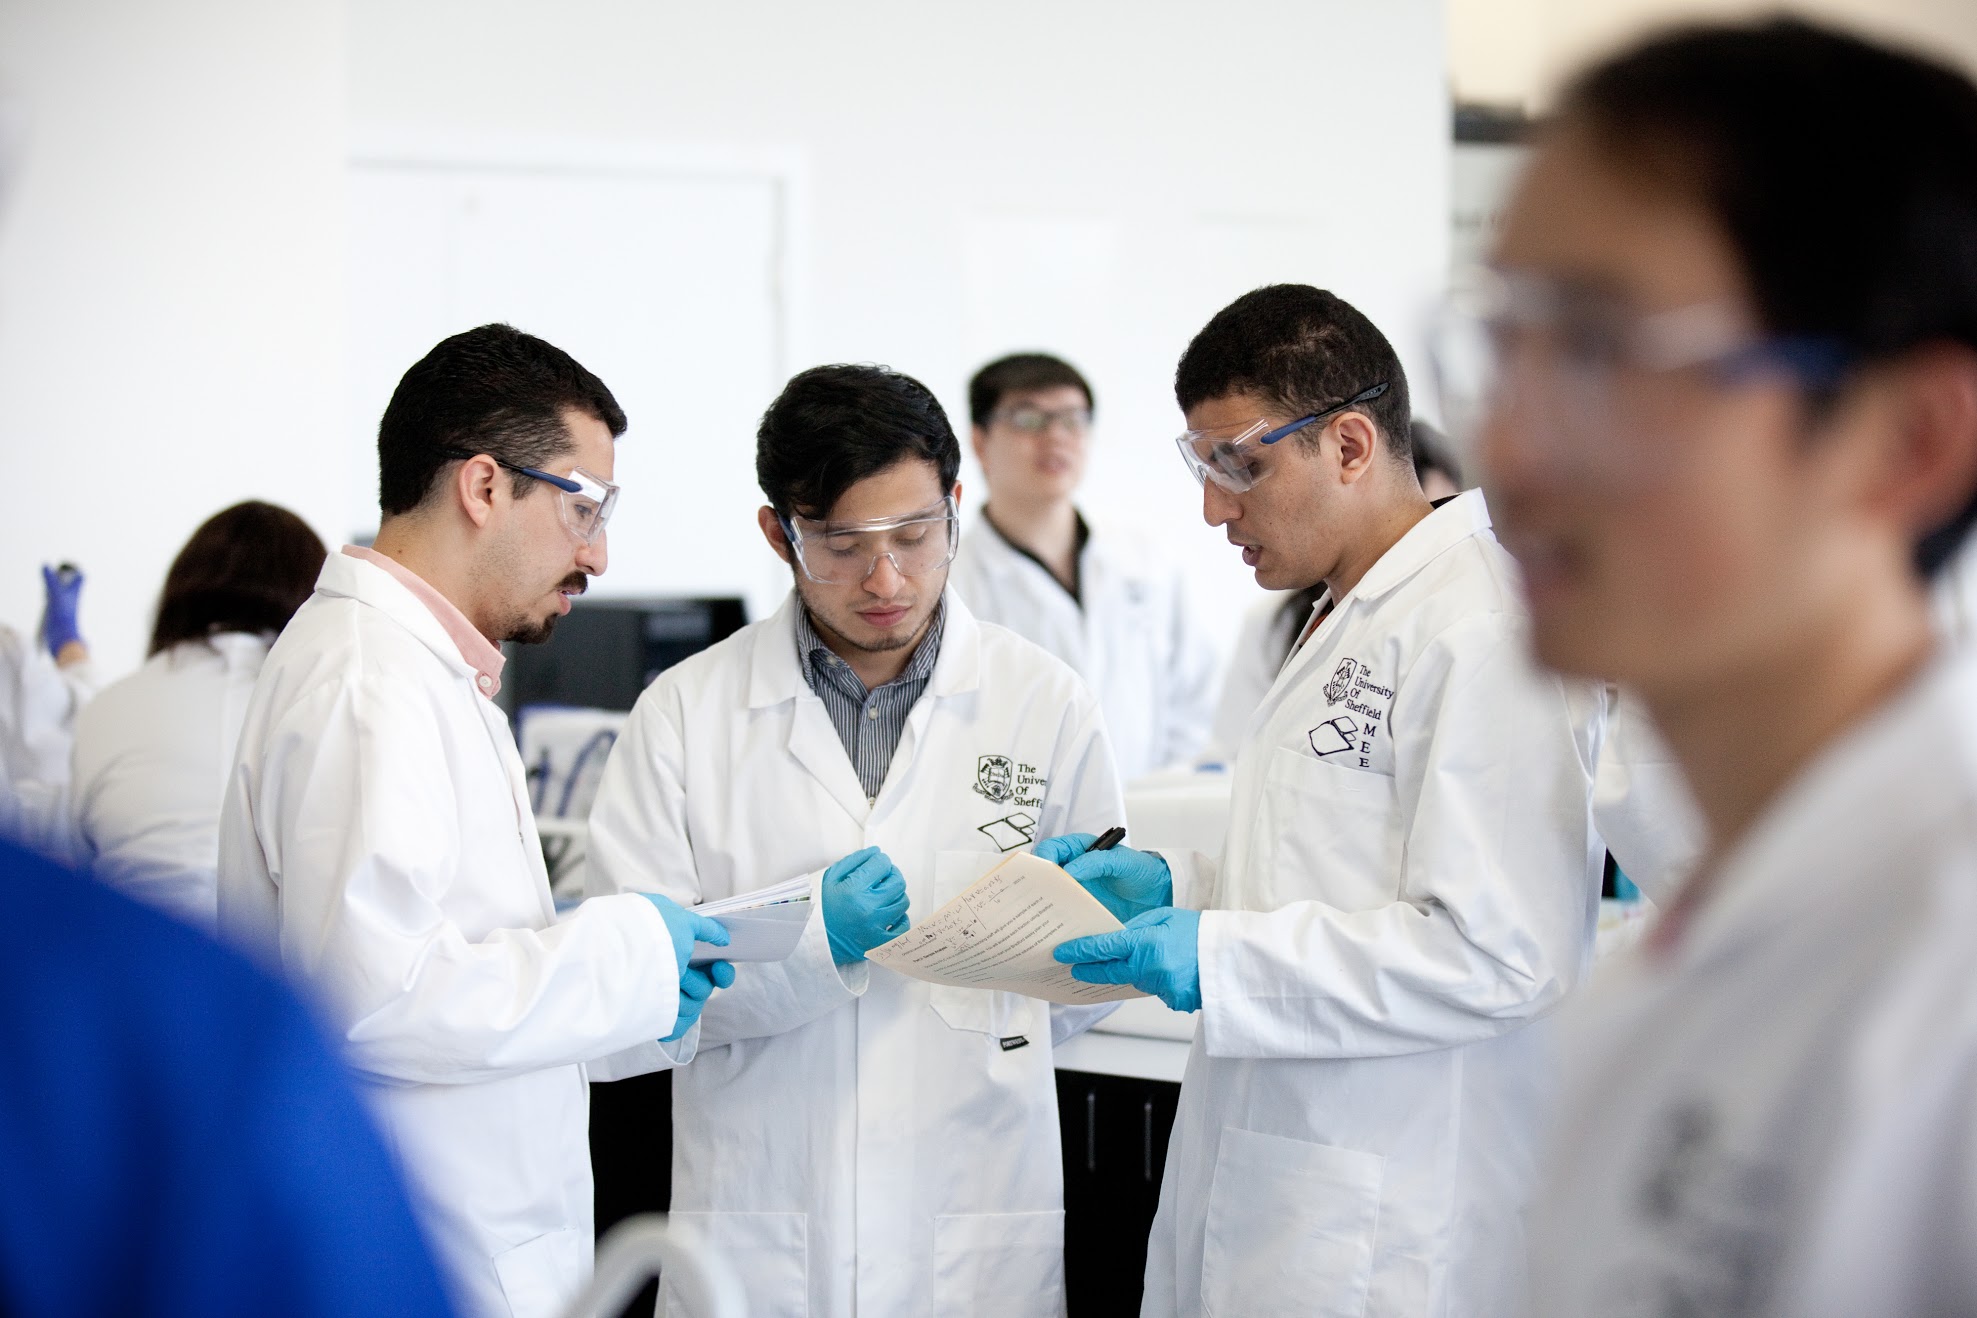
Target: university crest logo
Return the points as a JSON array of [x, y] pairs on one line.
[[995, 777], [1341, 684]]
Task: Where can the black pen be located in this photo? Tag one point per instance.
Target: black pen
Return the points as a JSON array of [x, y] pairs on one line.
[[1110, 838]]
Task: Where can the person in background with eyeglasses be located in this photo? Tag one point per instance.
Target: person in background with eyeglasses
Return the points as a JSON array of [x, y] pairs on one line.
[[1411, 878], [1107, 602], [377, 841], [1729, 425], [853, 1141]]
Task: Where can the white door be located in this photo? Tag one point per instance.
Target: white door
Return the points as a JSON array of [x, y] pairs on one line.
[[670, 282]]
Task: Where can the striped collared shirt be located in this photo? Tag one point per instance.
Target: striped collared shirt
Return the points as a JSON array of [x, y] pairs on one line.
[[869, 723]]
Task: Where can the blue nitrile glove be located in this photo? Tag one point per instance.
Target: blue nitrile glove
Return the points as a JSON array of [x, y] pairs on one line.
[[1129, 882], [864, 904], [696, 986], [1156, 953], [62, 594]]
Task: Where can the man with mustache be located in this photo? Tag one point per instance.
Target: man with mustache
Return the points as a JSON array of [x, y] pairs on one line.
[[377, 836]]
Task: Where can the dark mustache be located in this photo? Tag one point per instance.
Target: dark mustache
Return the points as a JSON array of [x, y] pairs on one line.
[[576, 583]]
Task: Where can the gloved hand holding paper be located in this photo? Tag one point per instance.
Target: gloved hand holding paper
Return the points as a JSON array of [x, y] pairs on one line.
[[764, 925], [999, 934]]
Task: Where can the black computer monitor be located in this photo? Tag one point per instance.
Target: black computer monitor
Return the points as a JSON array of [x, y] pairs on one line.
[[607, 651]]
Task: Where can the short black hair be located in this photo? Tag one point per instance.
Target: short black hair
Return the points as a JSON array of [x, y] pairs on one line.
[[247, 568], [1301, 350], [1753, 120], [832, 426], [492, 390], [1021, 373]]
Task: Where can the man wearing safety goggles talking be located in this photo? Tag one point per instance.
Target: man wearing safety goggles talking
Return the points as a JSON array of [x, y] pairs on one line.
[[1410, 878], [377, 834], [850, 1132]]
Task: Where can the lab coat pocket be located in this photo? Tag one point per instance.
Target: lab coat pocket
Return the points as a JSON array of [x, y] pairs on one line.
[[1290, 1228], [768, 1253], [540, 1275], [1326, 832], [998, 1265], [981, 1011]]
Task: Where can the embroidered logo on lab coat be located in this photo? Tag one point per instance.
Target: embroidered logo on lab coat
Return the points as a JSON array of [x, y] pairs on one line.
[[1011, 831], [1000, 779], [1354, 732], [1341, 683]]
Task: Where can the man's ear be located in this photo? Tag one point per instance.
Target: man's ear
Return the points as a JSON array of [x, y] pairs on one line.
[[474, 488], [1359, 445], [955, 494], [772, 531], [978, 441], [1931, 469]]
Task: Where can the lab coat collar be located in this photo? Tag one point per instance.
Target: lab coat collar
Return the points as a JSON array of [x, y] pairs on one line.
[[1000, 550], [481, 654], [1457, 520], [776, 671], [352, 577], [1909, 761]]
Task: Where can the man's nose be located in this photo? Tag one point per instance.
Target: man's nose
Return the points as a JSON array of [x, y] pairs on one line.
[[1218, 506], [595, 556], [885, 578]]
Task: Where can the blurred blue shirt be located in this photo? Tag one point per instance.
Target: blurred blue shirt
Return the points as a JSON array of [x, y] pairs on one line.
[[175, 1136]]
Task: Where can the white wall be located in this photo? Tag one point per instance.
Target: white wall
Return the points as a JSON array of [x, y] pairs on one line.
[[1091, 177], [170, 286]]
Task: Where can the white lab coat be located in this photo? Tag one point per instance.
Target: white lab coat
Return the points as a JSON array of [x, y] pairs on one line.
[[376, 833], [1410, 881], [852, 1141], [39, 701], [1774, 1113], [152, 754], [1131, 635]]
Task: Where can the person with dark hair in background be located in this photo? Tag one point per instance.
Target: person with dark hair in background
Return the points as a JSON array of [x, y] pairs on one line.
[[153, 750], [1731, 433], [1411, 880], [377, 837], [853, 1141], [1108, 604]]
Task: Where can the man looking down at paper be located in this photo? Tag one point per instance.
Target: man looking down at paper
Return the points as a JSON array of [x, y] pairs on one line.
[[1410, 878], [850, 1140]]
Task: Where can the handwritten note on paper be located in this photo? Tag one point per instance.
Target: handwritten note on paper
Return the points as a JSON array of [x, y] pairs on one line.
[[999, 934]]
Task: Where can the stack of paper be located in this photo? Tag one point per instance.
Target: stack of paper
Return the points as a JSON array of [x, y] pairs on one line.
[[999, 934], [764, 925]]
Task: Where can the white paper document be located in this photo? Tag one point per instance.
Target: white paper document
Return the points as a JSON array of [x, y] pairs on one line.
[[764, 925], [1000, 932]]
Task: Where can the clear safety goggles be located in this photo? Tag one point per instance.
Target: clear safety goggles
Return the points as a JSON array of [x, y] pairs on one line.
[[1236, 462], [584, 499], [1033, 421], [838, 552], [1591, 386]]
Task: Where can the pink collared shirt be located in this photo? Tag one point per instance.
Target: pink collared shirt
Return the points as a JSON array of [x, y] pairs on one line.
[[481, 654]]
